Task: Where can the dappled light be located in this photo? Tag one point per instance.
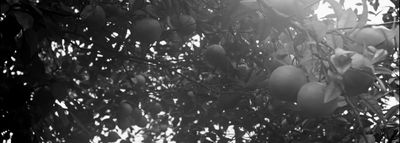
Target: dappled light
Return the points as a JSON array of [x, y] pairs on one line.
[[185, 71]]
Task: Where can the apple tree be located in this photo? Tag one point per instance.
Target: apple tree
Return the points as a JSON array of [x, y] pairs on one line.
[[197, 71]]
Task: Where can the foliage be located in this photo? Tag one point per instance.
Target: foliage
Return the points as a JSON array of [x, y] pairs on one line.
[[76, 71]]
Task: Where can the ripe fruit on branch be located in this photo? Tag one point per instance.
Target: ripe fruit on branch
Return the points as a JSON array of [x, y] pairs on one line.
[[141, 122], [112, 137], [357, 81], [139, 80], [368, 36], [154, 107], [283, 6], [113, 10], [215, 50], [147, 30], [288, 7], [94, 16], [311, 100], [184, 24], [285, 82], [215, 56], [380, 38], [125, 109], [124, 122]]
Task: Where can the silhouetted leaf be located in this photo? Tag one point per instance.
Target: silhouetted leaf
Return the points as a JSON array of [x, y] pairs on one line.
[[332, 91], [392, 112], [24, 19], [372, 104]]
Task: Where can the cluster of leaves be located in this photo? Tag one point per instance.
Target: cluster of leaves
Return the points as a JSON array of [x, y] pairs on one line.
[[71, 72]]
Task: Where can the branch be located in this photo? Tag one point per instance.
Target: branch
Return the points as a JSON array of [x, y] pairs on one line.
[[367, 25]]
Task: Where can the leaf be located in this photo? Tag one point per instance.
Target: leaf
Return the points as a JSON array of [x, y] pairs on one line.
[[317, 29], [329, 16], [334, 41], [370, 139], [348, 19], [340, 51], [341, 60], [396, 30], [87, 11], [252, 4], [364, 16], [359, 61], [381, 85], [379, 55], [31, 38], [336, 7], [376, 5], [256, 78], [382, 70], [389, 34], [372, 104], [332, 91], [392, 111], [342, 63], [300, 38], [341, 102], [24, 19]]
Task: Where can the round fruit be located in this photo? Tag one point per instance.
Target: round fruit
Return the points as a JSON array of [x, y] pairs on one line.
[[109, 123], [215, 50], [285, 82], [112, 136], [368, 36], [311, 100], [147, 30], [359, 61], [94, 16], [141, 122], [288, 7], [378, 37], [191, 94], [125, 108], [113, 10], [124, 122], [357, 81], [154, 107], [140, 80], [185, 24], [215, 55]]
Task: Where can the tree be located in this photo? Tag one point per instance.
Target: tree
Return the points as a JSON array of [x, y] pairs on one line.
[[189, 71]]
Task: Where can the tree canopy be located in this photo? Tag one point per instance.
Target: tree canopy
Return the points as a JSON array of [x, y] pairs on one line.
[[197, 71]]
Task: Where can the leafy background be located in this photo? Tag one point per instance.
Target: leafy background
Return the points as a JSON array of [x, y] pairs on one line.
[[65, 79]]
